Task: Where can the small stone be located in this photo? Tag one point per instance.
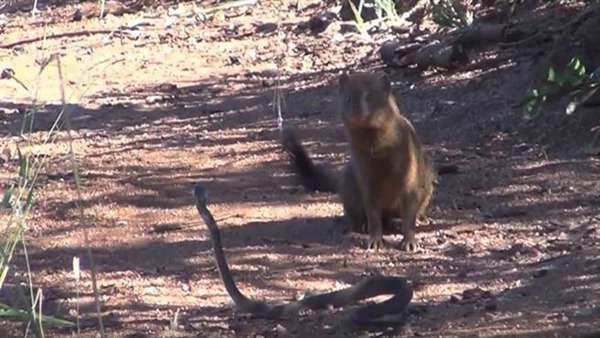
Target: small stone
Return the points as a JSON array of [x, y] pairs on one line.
[[77, 16], [320, 22], [268, 27], [152, 99], [281, 330], [167, 87]]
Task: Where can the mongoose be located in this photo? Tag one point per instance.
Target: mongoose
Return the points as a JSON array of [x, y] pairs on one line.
[[388, 175], [369, 316]]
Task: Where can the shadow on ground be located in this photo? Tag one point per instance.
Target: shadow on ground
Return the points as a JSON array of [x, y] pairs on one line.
[[505, 175]]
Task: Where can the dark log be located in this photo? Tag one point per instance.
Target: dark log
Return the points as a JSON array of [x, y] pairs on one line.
[[437, 55]]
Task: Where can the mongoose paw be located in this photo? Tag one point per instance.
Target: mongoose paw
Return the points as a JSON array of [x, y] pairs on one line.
[[409, 244], [375, 243]]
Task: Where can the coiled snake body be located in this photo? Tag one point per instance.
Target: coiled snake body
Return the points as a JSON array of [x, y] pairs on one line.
[[366, 316]]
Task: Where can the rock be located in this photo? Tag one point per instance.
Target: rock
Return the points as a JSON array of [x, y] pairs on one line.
[[387, 52], [77, 16], [152, 99], [167, 87], [281, 330], [320, 22], [265, 28]]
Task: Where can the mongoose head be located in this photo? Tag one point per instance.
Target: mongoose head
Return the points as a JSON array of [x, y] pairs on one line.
[[365, 98]]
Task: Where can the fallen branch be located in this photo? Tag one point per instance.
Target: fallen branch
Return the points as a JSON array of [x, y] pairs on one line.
[[487, 33], [436, 54], [392, 51], [448, 54]]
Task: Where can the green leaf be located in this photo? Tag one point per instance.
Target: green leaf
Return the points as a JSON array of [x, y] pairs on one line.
[[579, 98], [575, 63], [8, 311], [360, 23], [531, 109], [534, 92], [3, 273], [13, 313], [29, 201], [571, 107], [56, 321], [23, 164], [577, 66], [551, 74]]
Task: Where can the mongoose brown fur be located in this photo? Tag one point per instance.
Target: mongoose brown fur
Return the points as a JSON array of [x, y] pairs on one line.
[[388, 176]]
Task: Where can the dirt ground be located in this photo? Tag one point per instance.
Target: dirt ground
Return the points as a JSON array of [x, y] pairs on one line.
[[509, 247]]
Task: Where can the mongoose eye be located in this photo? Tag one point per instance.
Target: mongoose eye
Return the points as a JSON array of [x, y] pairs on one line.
[[369, 97]]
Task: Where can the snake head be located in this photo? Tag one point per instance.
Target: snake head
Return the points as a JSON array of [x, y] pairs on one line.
[[200, 193]]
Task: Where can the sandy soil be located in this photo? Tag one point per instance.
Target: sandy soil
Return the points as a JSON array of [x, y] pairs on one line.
[[509, 246]]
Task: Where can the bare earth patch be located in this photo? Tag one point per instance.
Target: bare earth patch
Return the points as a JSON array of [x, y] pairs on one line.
[[510, 246]]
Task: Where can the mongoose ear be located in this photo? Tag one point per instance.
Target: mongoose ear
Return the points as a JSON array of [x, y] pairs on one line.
[[343, 82], [386, 85]]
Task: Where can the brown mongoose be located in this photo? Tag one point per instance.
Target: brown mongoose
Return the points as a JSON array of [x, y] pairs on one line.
[[388, 175]]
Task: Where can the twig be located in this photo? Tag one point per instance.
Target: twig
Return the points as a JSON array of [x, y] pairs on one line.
[[277, 101], [77, 275], [299, 269], [228, 5], [203, 12], [55, 36], [9, 74], [102, 9], [486, 63], [274, 240]]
